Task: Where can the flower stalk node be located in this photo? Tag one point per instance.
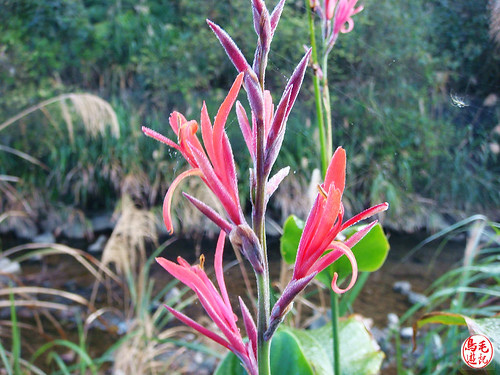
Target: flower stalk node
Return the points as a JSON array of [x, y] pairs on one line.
[[244, 239]]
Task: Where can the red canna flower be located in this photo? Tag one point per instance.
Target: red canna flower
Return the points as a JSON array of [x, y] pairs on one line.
[[325, 223], [318, 247], [214, 162], [337, 17], [216, 304], [343, 14]]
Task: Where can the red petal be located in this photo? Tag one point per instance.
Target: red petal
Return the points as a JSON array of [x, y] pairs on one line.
[[356, 237], [207, 132], [222, 114], [219, 271], [151, 133], [335, 174], [366, 214], [245, 128], [204, 331]]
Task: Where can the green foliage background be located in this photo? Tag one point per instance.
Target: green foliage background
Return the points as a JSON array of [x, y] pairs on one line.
[[398, 82]]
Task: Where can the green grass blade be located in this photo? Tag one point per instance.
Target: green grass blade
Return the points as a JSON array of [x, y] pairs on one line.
[[5, 360], [16, 336], [70, 345], [59, 361]]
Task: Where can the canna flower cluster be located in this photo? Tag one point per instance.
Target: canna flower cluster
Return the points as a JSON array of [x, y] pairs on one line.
[[211, 159]]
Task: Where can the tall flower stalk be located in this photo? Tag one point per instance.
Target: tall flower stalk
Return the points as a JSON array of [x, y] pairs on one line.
[[211, 159], [264, 139]]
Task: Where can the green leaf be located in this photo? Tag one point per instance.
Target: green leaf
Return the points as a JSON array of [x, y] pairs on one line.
[[315, 350], [297, 352], [359, 353], [230, 365], [289, 244]]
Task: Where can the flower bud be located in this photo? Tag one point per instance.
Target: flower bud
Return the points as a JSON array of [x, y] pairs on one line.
[[244, 239]]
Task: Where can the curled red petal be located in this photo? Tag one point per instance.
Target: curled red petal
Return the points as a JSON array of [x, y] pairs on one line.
[[348, 253], [167, 202]]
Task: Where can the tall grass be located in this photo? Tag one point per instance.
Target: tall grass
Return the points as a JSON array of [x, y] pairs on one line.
[[471, 289]]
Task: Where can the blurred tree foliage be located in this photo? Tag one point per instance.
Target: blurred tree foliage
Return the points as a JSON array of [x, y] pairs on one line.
[[391, 83]]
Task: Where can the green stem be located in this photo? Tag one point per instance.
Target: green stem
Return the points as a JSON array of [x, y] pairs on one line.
[[334, 300], [327, 106], [349, 297], [399, 353], [317, 91], [263, 346]]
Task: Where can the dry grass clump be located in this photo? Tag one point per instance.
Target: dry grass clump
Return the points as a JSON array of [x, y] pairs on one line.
[[126, 248], [96, 113]]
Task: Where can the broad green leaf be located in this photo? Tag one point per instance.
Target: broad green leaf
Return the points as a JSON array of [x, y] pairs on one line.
[[287, 358], [316, 353], [297, 352], [289, 244], [359, 353]]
